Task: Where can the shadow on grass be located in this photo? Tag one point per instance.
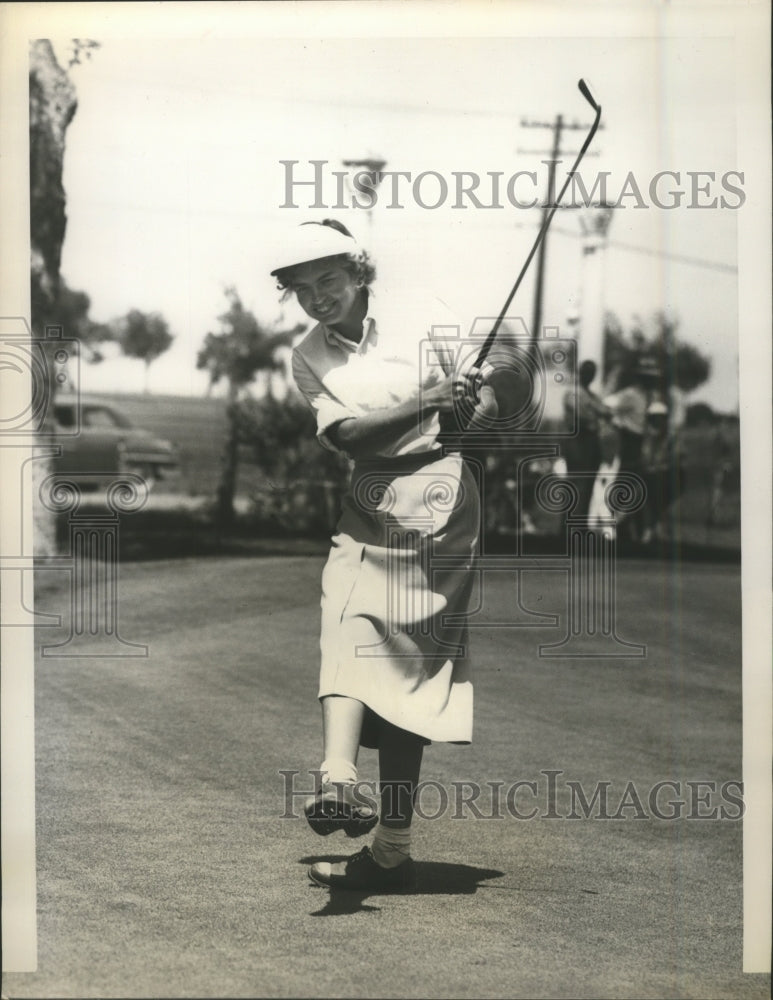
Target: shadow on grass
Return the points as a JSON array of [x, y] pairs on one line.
[[180, 533], [155, 534], [689, 548], [433, 878]]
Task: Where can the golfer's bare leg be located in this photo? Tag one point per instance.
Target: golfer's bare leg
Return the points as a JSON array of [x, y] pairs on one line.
[[342, 719], [336, 804]]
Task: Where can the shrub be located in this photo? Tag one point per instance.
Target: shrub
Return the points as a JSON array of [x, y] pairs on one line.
[[303, 484]]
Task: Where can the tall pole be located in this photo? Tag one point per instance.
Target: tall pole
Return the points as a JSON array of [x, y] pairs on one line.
[[557, 127], [594, 221], [370, 168], [536, 320]]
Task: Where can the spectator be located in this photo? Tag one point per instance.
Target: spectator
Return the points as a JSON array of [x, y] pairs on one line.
[[584, 413], [725, 474], [661, 471], [629, 407]]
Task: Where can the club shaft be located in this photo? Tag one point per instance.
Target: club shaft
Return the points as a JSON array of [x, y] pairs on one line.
[[488, 343]]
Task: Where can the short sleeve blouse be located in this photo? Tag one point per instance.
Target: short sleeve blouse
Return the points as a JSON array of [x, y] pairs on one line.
[[406, 345]]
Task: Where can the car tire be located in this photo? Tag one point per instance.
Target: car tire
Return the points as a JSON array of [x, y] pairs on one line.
[[146, 472]]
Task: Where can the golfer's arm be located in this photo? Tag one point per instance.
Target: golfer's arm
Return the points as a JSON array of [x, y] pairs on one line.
[[370, 433]]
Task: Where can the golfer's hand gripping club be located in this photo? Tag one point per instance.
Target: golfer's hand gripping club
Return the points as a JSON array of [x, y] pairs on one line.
[[475, 403]]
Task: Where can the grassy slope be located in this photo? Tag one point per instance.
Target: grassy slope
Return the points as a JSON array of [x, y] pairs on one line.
[[165, 870]]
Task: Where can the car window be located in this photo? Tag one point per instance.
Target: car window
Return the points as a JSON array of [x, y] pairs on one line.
[[65, 416], [100, 416]]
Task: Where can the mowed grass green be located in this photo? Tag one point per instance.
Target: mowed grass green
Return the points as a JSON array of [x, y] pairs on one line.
[[165, 868]]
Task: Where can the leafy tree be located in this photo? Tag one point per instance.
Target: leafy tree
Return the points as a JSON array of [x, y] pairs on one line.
[[52, 105], [80, 47], [70, 310], [700, 415], [682, 365], [241, 349], [144, 336]]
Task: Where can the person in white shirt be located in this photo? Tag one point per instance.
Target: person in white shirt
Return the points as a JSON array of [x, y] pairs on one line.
[[629, 408], [395, 589], [584, 415]]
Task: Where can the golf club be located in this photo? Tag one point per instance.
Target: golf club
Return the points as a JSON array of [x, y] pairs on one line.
[[585, 91]]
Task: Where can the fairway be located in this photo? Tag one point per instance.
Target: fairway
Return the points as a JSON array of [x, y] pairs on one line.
[[165, 867]]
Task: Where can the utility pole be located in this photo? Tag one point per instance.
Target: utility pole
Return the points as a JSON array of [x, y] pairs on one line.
[[369, 168], [557, 127], [594, 223]]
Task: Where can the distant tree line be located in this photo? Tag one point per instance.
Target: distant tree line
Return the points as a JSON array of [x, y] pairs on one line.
[[682, 366], [140, 335]]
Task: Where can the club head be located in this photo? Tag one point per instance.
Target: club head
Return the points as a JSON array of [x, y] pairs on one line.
[[585, 91]]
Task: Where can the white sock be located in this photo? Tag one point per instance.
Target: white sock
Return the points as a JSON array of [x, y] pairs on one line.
[[391, 846], [338, 770]]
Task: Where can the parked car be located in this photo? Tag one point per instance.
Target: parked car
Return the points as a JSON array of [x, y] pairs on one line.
[[99, 443]]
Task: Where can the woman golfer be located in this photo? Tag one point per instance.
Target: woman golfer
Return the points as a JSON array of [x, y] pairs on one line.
[[396, 586]]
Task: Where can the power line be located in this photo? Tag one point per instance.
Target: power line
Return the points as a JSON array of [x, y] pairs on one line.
[[681, 258], [711, 265], [196, 91]]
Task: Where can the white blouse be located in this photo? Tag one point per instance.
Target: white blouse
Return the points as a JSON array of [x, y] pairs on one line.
[[407, 345]]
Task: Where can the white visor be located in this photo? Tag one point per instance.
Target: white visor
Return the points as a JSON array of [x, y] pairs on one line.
[[313, 241]]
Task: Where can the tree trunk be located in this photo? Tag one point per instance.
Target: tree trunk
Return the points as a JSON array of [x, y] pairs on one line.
[[52, 104], [226, 490]]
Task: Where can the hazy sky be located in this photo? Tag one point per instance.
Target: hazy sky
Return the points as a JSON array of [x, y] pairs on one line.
[[175, 186]]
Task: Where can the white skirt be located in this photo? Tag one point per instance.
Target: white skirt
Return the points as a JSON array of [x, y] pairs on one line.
[[395, 595]]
